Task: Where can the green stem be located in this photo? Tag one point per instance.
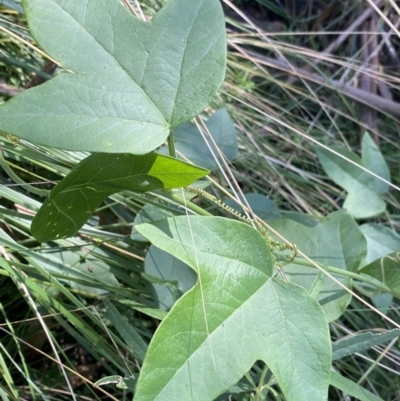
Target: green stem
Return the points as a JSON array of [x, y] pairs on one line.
[[363, 291], [171, 146], [356, 276], [190, 205], [260, 386]]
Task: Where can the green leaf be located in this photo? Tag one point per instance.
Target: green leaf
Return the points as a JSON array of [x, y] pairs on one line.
[[78, 195], [374, 161], [381, 241], [301, 218], [152, 312], [361, 342], [351, 388], [387, 271], [189, 141], [264, 208], [382, 301], [88, 274], [127, 383], [161, 264], [364, 190], [128, 81], [336, 241], [132, 339], [236, 314], [147, 214], [107, 380]]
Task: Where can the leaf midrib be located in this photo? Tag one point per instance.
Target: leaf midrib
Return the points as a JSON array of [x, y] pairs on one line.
[[261, 288]]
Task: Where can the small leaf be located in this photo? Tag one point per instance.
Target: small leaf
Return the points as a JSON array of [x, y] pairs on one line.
[[387, 271], [127, 332], [264, 208], [361, 342], [78, 195], [147, 214], [381, 241], [364, 190], [351, 388], [374, 161], [132, 81], [235, 305], [159, 263], [127, 383], [336, 241], [382, 301], [191, 144], [108, 380]]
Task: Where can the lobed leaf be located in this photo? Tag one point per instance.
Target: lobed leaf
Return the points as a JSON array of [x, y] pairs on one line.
[[364, 190], [128, 82], [236, 314]]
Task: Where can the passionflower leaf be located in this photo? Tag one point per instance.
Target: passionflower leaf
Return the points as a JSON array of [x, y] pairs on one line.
[[126, 82], [235, 315]]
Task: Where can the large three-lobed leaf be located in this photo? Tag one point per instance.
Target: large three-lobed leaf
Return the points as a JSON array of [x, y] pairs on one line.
[[235, 315], [128, 81]]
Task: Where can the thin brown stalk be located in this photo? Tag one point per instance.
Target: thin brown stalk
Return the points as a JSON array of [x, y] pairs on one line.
[[374, 101], [340, 39]]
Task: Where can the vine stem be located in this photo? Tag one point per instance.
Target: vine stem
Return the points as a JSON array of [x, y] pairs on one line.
[[342, 272], [179, 199], [189, 205], [171, 145]]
